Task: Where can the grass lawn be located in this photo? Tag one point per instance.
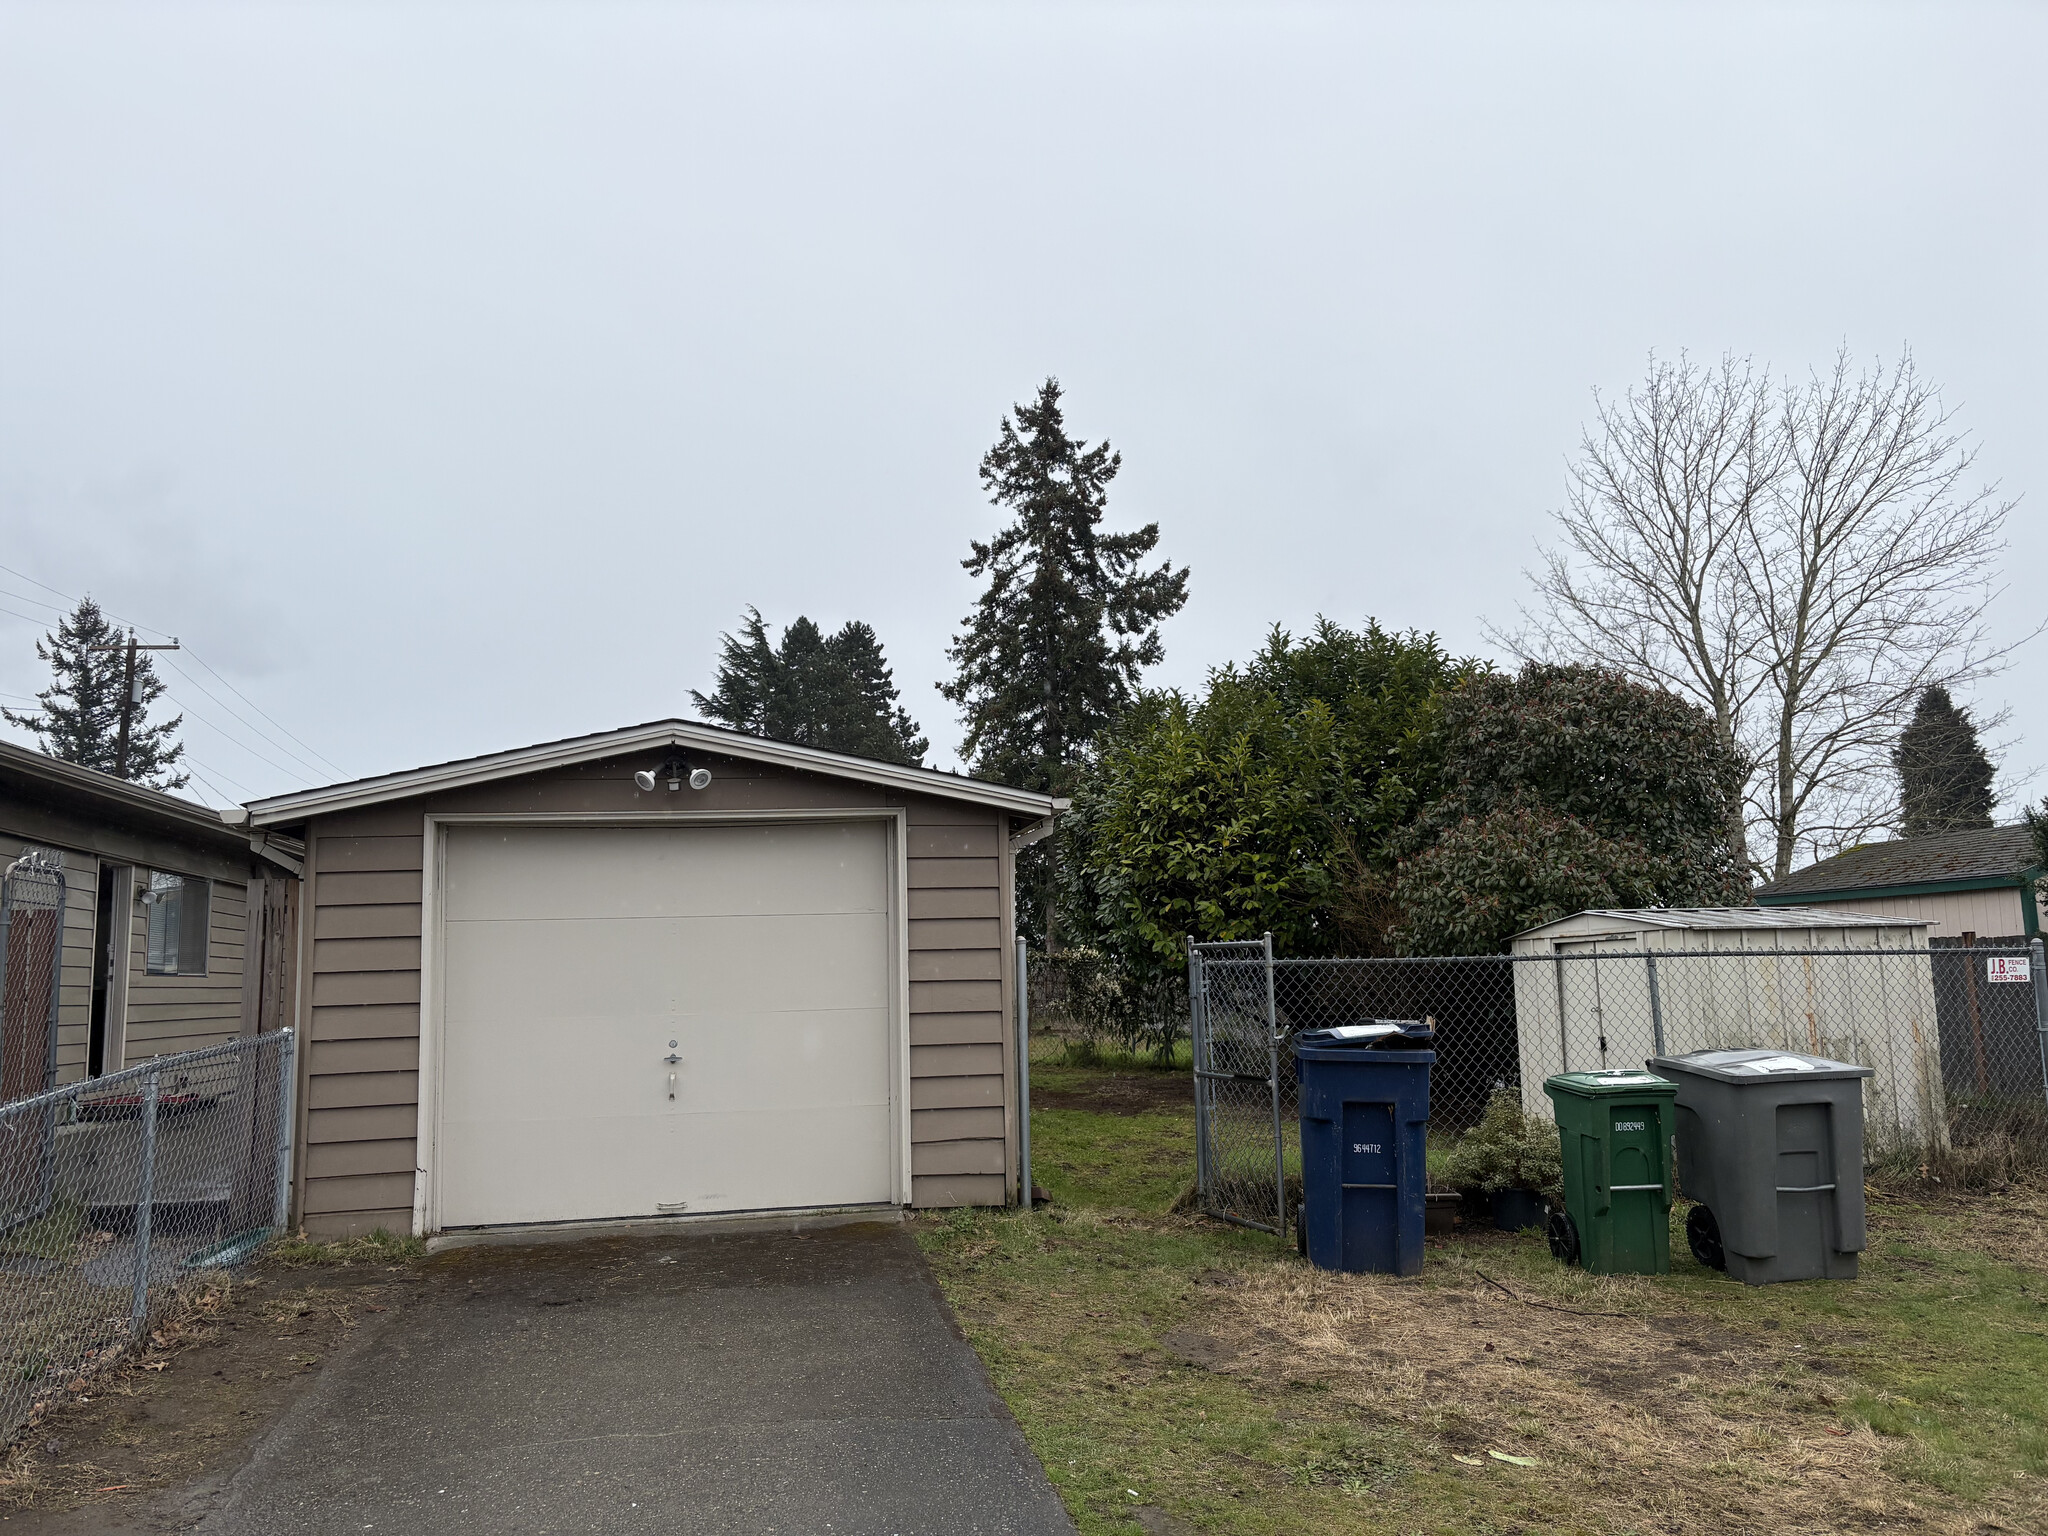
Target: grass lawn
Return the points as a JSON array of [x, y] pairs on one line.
[[1178, 1375]]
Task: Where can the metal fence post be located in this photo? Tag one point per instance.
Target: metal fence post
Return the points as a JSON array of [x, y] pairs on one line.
[[1023, 1075], [1273, 1087], [1656, 1003], [287, 1093], [1198, 1045], [145, 1200], [2038, 966]]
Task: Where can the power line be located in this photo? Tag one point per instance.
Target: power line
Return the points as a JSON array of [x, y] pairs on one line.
[[185, 709], [24, 575], [202, 778], [223, 703], [23, 597], [266, 714], [331, 765]]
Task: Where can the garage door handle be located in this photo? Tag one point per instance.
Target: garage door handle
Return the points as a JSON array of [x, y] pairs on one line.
[[671, 1058]]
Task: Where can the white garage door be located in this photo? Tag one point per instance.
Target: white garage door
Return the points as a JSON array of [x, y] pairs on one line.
[[576, 961]]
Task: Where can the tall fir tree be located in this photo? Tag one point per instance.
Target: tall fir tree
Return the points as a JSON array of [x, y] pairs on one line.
[[1069, 618], [834, 692], [1944, 774], [80, 718]]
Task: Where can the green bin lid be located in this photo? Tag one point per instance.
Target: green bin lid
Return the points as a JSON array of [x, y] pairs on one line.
[[1616, 1082]]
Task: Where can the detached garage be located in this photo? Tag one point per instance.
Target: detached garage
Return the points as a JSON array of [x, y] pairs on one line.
[[665, 971]]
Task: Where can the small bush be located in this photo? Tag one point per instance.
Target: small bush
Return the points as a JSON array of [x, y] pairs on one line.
[[1506, 1150], [1097, 1002]]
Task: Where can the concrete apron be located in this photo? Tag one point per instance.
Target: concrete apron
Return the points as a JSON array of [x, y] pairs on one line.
[[694, 1381]]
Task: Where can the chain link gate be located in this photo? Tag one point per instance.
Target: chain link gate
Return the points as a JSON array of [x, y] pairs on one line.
[[1956, 1035], [1241, 1142]]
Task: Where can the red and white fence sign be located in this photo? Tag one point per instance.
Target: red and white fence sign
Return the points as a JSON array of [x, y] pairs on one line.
[[2007, 968]]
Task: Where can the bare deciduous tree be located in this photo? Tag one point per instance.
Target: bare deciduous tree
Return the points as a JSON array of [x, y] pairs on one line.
[[1801, 560]]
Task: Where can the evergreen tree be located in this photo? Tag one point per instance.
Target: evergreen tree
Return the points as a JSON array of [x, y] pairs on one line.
[[1053, 650], [1944, 774], [834, 692], [80, 718]]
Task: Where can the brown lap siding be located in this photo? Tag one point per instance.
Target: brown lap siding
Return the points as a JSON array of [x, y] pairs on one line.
[[961, 1057], [362, 1022], [361, 1004]]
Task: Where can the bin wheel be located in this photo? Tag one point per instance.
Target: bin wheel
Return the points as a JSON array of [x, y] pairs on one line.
[[1703, 1236], [1563, 1233]]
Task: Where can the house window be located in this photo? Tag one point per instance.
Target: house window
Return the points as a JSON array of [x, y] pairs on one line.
[[180, 909]]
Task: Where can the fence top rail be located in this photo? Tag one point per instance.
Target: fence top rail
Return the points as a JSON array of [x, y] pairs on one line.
[[226, 1050], [1314, 962]]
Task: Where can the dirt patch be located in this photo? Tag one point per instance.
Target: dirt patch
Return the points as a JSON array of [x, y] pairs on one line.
[[1197, 1348], [1671, 1424], [1120, 1093], [171, 1419]]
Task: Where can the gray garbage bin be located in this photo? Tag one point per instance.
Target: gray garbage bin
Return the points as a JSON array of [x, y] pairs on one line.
[[1771, 1146]]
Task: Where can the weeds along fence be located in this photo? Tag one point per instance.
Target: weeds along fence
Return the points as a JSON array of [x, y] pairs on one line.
[[117, 1192], [1087, 1002], [1957, 1039]]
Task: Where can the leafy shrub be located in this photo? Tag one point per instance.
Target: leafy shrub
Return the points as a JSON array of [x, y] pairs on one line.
[[1565, 787], [1244, 810], [1507, 1149]]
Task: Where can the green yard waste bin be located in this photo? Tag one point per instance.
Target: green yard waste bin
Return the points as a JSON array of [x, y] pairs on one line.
[[1614, 1129]]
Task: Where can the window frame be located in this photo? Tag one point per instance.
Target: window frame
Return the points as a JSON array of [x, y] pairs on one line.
[[171, 924]]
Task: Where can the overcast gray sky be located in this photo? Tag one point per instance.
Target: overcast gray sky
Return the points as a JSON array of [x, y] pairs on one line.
[[450, 376]]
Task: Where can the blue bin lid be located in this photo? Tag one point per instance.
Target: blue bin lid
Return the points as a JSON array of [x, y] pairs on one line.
[[1371, 1034]]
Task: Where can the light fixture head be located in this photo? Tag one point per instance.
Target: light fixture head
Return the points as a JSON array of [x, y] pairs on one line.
[[676, 772]]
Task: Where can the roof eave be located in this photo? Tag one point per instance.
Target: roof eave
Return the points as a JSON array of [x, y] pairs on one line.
[[2013, 882], [65, 777], [284, 810]]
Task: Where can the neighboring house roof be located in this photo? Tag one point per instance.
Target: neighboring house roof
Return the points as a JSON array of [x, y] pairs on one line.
[[657, 735], [1979, 860], [1693, 919], [89, 793]]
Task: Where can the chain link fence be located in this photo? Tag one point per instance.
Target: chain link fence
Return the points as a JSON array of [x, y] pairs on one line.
[[1956, 1036], [117, 1192]]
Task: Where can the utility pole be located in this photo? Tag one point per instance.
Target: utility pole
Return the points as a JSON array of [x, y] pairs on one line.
[[131, 695]]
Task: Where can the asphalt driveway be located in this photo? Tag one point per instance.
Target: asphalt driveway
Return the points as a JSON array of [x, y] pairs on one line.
[[721, 1383]]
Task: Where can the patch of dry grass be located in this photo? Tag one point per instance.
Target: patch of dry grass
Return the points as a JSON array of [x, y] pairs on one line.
[[1170, 1369], [1667, 1422]]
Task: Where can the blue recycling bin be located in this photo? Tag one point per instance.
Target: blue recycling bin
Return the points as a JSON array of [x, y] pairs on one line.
[[1364, 1145]]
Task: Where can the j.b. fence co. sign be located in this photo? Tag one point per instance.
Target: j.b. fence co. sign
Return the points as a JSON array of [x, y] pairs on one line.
[[2007, 968]]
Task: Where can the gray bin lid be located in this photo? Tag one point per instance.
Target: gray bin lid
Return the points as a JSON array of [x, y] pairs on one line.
[[1760, 1066]]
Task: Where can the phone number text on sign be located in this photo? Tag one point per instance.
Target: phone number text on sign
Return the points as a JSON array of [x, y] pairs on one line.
[[2007, 968]]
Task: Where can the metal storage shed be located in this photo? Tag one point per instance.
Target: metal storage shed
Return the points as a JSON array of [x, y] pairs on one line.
[[664, 971], [1628, 984]]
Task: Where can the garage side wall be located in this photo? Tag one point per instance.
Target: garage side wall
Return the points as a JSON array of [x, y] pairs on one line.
[[360, 1003]]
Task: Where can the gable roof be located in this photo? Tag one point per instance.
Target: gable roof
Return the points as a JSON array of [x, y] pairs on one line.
[[656, 735], [1985, 857]]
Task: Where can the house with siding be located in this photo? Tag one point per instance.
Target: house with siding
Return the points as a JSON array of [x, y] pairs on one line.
[[668, 971], [137, 924], [1983, 884]]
